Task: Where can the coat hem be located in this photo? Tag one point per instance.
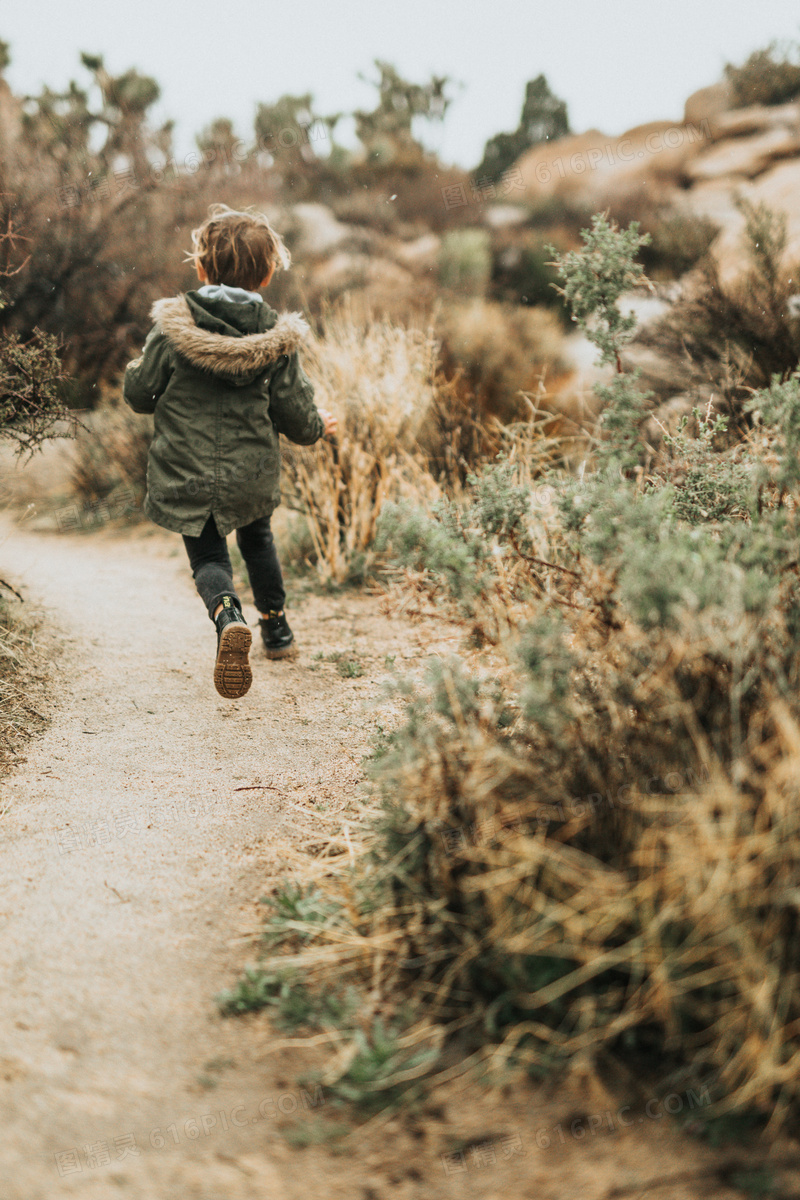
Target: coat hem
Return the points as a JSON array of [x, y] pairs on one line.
[[194, 528]]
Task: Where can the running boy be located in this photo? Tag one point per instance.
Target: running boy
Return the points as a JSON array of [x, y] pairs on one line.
[[221, 375]]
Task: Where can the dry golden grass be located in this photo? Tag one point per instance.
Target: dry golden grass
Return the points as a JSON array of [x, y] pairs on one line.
[[380, 379], [18, 716]]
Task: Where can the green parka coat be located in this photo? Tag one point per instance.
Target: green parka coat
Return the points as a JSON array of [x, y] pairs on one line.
[[223, 380]]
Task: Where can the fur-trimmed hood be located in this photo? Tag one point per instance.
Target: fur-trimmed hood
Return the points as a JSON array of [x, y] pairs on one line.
[[235, 354]]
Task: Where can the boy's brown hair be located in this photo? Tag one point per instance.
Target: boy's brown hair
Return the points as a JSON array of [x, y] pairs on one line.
[[238, 248]]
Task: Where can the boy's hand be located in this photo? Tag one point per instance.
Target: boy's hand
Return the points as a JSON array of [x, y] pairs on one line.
[[330, 422]]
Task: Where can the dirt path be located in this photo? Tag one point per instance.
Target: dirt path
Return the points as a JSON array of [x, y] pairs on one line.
[[130, 858], [135, 841]]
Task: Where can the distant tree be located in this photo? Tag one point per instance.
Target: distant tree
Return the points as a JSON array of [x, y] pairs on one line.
[[216, 143], [60, 124], [80, 172], [386, 131], [289, 130], [543, 119], [126, 100]]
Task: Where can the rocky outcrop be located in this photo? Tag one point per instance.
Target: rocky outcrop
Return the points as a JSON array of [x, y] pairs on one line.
[[744, 157], [593, 169], [698, 167]]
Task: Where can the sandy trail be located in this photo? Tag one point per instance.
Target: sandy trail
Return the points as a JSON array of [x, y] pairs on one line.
[[130, 867], [130, 861]]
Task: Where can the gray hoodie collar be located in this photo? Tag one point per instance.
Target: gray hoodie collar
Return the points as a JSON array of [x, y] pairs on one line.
[[221, 291]]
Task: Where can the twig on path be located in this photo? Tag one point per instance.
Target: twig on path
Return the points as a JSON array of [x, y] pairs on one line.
[[11, 589], [121, 899], [258, 787]]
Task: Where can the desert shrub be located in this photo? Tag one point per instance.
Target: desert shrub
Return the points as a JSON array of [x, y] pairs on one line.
[[523, 274], [18, 713], [465, 261], [679, 242], [497, 352], [769, 76], [31, 375], [590, 835], [731, 338], [109, 457]]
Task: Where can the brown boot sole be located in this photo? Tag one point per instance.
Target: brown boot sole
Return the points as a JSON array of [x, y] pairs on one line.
[[232, 674]]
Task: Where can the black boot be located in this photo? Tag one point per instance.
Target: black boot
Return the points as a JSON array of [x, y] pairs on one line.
[[277, 636], [232, 674]]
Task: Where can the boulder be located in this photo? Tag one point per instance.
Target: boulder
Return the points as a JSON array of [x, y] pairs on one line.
[[343, 271], [708, 102], [421, 254], [713, 200], [506, 216], [539, 167], [756, 119], [744, 156], [316, 230], [778, 189]]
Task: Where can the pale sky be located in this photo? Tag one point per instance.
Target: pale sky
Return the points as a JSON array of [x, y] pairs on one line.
[[617, 63]]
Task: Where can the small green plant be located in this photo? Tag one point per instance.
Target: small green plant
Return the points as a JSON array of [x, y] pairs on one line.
[[760, 1182], [299, 912], [595, 277], [286, 994], [315, 1132], [347, 665], [349, 668], [712, 485], [384, 1072], [465, 261]]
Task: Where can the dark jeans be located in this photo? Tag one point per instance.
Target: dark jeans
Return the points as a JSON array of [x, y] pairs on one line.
[[211, 565]]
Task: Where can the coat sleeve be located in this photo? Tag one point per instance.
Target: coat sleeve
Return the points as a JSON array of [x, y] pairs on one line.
[[146, 378], [291, 403]]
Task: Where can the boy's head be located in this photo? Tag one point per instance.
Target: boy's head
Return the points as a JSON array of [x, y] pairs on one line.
[[238, 248]]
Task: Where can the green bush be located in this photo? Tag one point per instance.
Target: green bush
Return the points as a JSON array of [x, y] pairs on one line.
[[523, 274]]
